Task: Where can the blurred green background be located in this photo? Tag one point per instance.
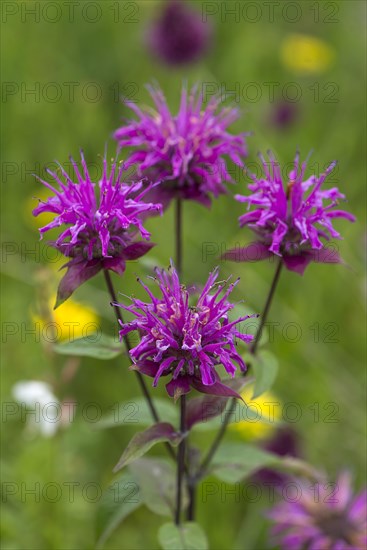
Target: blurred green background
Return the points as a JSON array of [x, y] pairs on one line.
[[108, 58]]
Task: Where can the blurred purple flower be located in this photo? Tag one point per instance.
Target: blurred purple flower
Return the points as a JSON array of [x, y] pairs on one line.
[[283, 114], [100, 223], [179, 36], [290, 221], [323, 518], [284, 443], [184, 152], [186, 342]]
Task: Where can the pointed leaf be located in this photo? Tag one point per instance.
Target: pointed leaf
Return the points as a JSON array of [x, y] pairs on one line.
[[235, 461], [187, 536], [157, 479], [217, 388], [77, 273], [143, 441], [118, 501], [95, 345]]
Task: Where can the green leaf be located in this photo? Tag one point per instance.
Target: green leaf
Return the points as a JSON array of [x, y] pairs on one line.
[[235, 461], [136, 411], [265, 366], [157, 479], [143, 441], [187, 536], [99, 346], [118, 501]]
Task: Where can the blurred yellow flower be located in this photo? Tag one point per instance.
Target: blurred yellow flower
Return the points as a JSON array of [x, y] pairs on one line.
[[69, 321], [306, 54], [261, 419]]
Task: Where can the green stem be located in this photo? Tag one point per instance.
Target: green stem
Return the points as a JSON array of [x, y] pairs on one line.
[[191, 486], [178, 235], [268, 302], [141, 381], [181, 460], [140, 378], [217, 441]]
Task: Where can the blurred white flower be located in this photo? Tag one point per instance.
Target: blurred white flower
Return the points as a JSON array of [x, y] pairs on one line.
[[46, 414]]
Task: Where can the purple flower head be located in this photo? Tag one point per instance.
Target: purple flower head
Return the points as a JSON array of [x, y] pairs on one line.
[[180, 35], [100, 223], [185, 152], [291, 220], [325, 517], [284, 114], [284, 443], [186, 342]]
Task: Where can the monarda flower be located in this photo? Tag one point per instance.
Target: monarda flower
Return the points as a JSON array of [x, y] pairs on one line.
[[290, 220], [283, 115], [324, 517], [185, 152], [186, 342], [100, 223], [285, 442], [179, 35]]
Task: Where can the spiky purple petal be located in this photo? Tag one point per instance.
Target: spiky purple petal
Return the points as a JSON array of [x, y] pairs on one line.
[[186, 342], [324, 517], [186, 152], [292, 220], [99, 223]]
